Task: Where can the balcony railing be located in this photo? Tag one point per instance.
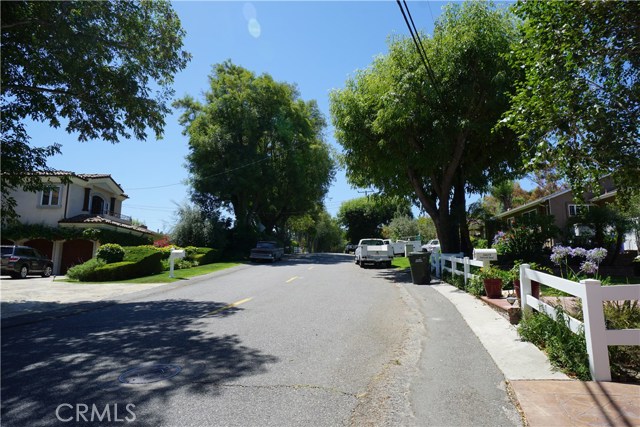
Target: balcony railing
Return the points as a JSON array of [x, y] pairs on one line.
[[116, 216]]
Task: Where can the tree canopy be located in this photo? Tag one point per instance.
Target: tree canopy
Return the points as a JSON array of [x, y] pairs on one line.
[[366, 216], [434, 140], [256, 148], [100, 69], [579, 101]]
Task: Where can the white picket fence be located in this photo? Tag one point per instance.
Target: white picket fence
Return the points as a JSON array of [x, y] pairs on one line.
[[439, 264], [593, 295]]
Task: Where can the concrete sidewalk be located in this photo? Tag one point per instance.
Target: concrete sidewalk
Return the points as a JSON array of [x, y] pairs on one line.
[[547, 397]]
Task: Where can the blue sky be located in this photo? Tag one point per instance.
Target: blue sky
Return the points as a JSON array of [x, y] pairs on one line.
[[315, 45]]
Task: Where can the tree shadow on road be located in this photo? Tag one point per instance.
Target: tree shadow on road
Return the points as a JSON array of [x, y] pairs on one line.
[[78, 359], [315, 258]]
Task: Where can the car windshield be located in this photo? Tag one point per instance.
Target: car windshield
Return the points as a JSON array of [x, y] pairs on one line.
[[372, 242], [265, 245]]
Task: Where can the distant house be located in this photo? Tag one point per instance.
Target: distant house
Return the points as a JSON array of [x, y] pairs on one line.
[[563, 206], [87, 201]]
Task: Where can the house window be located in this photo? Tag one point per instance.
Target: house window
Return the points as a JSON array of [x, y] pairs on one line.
[[529, 214], [50, 197], [575, 210]]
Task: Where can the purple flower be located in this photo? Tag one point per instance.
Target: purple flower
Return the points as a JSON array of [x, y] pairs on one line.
[[559, 253], [589, 267], [499, 237], [597, 255], [579, 252]]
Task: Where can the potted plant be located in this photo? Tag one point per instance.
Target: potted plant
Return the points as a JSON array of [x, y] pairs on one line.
[[492, 278]]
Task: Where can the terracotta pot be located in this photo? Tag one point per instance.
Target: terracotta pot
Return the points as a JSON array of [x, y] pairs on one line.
[[535, 288], [493, 288]]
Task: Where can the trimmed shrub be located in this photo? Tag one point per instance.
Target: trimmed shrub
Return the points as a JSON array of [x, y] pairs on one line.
[[145, 266], [111, 252], [82, 271], [206, 256]]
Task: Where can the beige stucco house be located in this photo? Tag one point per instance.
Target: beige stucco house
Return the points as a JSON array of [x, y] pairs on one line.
[[563, 206], [83, 201]]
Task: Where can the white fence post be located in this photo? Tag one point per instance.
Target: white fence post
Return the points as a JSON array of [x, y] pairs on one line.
[[442, 264], [454, 266], [466, 269], [435, 262], [525, 289], [595, 331]]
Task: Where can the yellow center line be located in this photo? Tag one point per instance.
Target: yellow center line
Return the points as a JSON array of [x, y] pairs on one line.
[[292, 279], [226, 307]]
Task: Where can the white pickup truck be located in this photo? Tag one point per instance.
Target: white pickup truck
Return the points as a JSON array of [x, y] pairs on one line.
[[373, 251], [397, 246]]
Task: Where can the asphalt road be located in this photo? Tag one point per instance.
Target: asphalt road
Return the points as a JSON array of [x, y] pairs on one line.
[[313, 341]]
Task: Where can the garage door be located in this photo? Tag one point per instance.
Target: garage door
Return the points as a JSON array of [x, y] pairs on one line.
[[75, 252]]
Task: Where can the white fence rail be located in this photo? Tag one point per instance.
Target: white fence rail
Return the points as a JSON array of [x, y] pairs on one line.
[[593, 295], [439, 264]]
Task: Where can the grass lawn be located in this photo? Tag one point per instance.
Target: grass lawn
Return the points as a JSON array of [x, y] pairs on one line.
[[178, 274], [400, 262]]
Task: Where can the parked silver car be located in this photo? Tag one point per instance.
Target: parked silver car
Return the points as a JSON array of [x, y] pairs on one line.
[[431, 245]]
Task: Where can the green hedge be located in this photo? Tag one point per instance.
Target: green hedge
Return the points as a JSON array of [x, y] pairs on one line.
[[140, 261], [146, 266]]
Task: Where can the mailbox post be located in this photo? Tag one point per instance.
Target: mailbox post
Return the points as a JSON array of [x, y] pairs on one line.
[[485, 255], [175, 253]]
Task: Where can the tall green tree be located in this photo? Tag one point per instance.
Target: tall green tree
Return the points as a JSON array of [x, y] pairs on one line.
[[256, 148], [401, 227], [366, 216], [578, 104], [434, 140], [100, 69]]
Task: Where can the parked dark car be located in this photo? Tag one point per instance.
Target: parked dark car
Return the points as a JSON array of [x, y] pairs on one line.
[[21, 261], [350, 248]]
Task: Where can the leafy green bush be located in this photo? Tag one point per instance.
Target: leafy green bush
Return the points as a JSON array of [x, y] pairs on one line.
[[206, 256], [138, 261], [565, 349], [624, 359], [110, 252], [144, 266], [81, 271], [475, 286], [457, 280]]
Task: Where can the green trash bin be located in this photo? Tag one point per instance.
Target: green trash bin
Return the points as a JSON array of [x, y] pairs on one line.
[[420, 268]]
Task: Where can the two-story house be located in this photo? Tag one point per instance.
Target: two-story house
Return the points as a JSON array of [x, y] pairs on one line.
[[82, 201], [563, 206]]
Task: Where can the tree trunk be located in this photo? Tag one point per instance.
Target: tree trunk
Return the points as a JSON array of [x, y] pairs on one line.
[[460, 211]]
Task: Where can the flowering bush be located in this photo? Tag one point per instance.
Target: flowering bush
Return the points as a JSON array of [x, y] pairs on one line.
[[526, 238], [560, 257]]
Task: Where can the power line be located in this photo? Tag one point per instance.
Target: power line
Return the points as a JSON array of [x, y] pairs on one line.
[[415, 36]]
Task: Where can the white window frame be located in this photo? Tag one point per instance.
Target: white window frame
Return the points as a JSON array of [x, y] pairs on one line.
[[46, 197], [577, 208]]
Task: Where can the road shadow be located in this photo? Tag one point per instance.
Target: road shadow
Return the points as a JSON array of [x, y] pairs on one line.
[[78, 359], [315, 258]]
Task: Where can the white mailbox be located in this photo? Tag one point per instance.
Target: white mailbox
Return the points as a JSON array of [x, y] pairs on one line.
[[485, 254], [175, 254]]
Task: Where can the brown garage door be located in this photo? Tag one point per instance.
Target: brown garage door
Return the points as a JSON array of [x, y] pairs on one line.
[[45, 247], [75, 252]]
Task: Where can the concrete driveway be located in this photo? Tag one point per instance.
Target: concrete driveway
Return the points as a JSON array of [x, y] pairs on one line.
[[40, 294]]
